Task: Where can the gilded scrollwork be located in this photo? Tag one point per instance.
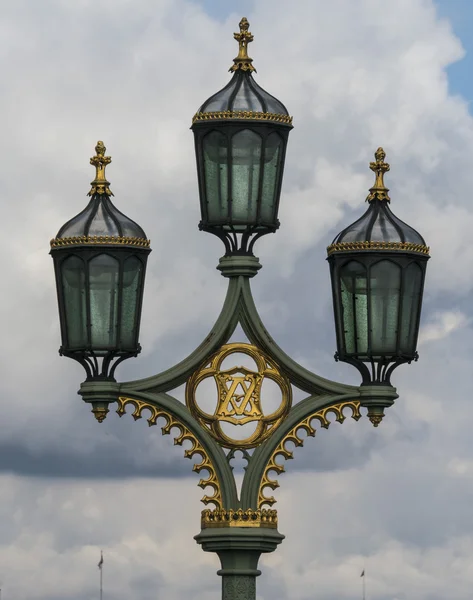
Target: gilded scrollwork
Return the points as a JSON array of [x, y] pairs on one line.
[[306, 425], [184, 435]]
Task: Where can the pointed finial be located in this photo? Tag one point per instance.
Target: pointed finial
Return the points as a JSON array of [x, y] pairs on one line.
[[243, 61], [379, 191], [100, 185]]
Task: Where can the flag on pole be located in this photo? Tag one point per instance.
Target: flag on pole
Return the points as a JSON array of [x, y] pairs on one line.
[[362, 573], [101, 561]]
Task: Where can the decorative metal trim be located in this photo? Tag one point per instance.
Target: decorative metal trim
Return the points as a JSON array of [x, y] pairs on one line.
[[247, 115], [244, 37], [305, 424], [267, 518], [100, 185], [96, 240], [239, 397], [379, 191], [385, 246], [185, 435]]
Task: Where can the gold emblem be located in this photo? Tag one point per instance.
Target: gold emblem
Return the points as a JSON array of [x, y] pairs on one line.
[[239, 396]]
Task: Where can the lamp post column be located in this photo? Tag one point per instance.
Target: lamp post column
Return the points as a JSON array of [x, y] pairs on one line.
[[239, 550]]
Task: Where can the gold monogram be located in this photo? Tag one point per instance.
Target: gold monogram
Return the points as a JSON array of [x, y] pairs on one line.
[[239, 396]]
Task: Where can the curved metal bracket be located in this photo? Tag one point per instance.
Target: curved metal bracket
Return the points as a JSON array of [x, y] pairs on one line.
[[239, 307], [300, 418], [176, 415], [219, 334]]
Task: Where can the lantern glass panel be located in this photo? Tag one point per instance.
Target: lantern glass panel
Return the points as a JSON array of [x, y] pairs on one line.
[[385, 284], [354, 307], [246, 166], [216, 176], [74, 290], [411, 303], [272, 156], [103, 286], [132, 278]]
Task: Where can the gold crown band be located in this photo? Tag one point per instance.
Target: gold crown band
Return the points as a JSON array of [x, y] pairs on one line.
[[386, 246], [241, 114], [92, 240], [240, 518]]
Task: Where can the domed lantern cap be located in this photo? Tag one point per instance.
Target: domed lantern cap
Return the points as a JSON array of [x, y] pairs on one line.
[[378, 269], [100, 260], [240, 135]]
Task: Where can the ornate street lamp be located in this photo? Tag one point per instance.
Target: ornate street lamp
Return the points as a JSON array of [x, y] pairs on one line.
[[377, 265], [100, 262]]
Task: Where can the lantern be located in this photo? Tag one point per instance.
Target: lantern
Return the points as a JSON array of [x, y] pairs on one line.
[[240, 136], [100, 262], [377, 268]]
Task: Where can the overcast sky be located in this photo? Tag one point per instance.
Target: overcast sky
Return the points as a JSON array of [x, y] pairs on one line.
[[355, 74]]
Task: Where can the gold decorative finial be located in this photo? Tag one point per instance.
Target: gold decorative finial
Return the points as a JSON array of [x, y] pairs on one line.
[[379, 191], [100, 185], [243, 61], [100, 410]]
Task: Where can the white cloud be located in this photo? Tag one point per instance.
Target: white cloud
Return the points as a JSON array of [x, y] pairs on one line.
[[441, 325]]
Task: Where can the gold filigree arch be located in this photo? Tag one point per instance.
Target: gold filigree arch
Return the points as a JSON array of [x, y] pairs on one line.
[[184, 435], [306, 425]]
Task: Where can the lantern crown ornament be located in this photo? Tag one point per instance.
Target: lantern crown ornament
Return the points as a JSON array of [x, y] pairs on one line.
[[379, 228], [240, 135], [100, 260], [100, 222], [378, 268]]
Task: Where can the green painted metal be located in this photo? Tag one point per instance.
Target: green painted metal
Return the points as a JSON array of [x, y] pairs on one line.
[[219, 335], [239, 550], [299, 376], [239, 307]]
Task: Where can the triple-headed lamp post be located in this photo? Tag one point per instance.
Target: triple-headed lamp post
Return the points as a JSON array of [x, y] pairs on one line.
[[377, 266]]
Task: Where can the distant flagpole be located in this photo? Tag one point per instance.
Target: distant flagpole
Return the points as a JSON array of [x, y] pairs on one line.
[[100, 566], [363, 575]]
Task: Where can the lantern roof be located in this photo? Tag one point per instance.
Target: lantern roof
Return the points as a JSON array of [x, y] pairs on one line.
[[242, 97], [100, 222], [379, 228]]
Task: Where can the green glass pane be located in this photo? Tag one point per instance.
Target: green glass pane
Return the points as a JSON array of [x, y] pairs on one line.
[[385, 285], [354, 308], [246, 164], [270, 177], [73, 284], [132, 278], [216, 176], [411, 302], [103, 285]]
